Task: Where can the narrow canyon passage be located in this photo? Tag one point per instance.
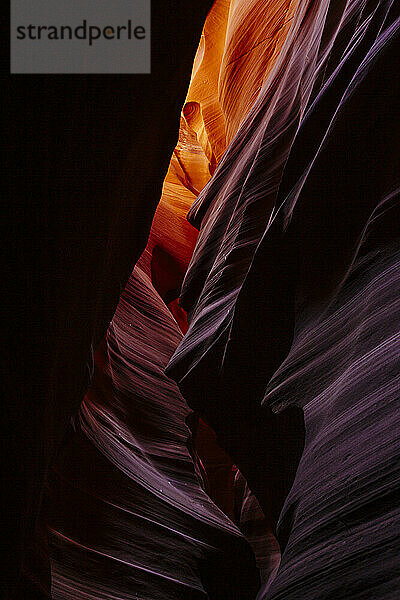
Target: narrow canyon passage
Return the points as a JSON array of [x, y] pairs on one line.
[[177, 543], [239, 435]]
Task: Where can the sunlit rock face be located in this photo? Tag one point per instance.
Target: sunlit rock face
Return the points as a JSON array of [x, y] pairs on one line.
[[267, 292], [255, 35]]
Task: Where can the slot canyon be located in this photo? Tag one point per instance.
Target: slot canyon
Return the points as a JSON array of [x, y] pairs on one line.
[[202, 337]]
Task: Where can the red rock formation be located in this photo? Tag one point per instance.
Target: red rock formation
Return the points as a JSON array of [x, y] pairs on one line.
[[228, 73], [267, 286]]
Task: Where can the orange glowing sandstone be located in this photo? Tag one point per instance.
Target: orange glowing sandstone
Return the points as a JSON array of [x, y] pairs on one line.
[[240, 42], [239, 45]]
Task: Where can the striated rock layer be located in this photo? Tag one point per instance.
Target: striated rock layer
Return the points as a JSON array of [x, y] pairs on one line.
[[265, 300], [142, 525], [292, 350], [153, 532]]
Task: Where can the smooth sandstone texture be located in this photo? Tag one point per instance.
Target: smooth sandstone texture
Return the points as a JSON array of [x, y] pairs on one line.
[[129, 517], [135, 416], [268, 287], [293, 313]]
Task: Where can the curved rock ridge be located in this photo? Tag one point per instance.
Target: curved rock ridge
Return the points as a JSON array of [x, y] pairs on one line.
[[142, 524], [292, 294], [225, 212], [233, 210], [340, 522]]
